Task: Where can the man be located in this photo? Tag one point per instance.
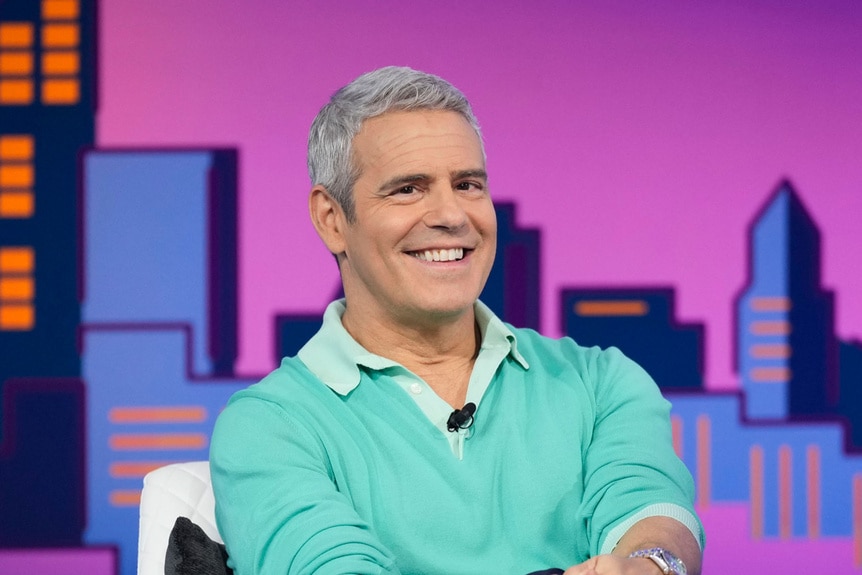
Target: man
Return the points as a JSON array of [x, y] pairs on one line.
[[363, 455]]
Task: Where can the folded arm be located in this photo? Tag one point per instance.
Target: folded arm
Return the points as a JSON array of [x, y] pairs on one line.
[[647, 533], [277, 507]]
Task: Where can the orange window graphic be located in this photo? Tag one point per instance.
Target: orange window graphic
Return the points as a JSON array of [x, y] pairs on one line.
[[60, 9], [16, 91], [612, 308], [16, 64], [16, 205], [17, 260], [60, 35], [16, 148], [16, 176], [16, 35], [16, 289], [56, 63], [61, 91]]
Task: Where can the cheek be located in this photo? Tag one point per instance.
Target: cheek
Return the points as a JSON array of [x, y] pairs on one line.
[[489, 221]]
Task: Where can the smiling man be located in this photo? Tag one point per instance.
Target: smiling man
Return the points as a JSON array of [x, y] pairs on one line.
[[416, 432]]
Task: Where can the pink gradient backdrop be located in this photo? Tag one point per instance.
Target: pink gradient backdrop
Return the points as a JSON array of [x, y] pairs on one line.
[[69, 561], [641, 137]]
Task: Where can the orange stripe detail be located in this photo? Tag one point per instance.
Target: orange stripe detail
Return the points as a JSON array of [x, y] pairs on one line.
[[157, 415], [704, 460], [812, 467], [17, 317], [16, 91], [65, 91], [16, 260], [770, 351], [676, 428], [60, 35], [16, 205], [125, 497], [16, 147], [857, 521], [771, 304], [785, 492], [20, 176], [16, 35], [770, 327], [16, 289], [59, 9], [770, 374], [611, 308], [143, 441], [755, 489], [60, 63], [119, 470], [16, 63]]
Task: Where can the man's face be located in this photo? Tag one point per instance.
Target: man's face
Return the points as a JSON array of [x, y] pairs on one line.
[[424, 238]]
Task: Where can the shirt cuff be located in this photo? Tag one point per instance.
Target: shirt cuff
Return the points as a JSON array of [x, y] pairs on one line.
[[671, 510]]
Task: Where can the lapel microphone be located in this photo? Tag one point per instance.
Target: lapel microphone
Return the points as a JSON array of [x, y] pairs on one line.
[[461, 418]]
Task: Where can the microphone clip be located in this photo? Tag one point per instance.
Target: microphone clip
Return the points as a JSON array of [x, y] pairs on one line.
[[461, 418]]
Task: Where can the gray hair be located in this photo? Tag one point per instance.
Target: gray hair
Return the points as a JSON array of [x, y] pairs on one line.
[[389, 89]]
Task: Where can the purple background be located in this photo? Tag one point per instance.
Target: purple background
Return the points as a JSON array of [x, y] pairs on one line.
[[641, 137]]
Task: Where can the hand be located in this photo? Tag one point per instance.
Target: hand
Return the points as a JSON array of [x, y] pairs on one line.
[[614, 565]]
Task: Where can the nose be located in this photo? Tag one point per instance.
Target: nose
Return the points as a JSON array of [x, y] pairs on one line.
[[445, 209]]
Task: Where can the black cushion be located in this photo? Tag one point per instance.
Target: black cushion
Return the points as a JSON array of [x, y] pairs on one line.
[[191, 552]]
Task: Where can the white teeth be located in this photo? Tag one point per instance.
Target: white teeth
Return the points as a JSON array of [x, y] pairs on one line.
[[440, 255]]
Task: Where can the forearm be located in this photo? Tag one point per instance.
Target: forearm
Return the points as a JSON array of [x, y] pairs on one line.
[[662, 532]]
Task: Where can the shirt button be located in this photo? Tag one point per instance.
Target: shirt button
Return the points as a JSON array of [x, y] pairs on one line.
[[415, 388]]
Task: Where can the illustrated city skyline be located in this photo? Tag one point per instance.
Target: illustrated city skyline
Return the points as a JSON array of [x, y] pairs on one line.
[[136, 410], [118, 327]]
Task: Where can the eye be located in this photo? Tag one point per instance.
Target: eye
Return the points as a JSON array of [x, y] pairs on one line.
[[406, 190], [469, 185]]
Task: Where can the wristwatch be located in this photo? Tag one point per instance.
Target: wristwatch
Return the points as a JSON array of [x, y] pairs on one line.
[[669, 563]]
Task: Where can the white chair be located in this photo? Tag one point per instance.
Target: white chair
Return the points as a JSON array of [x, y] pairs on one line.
[[176, 490]]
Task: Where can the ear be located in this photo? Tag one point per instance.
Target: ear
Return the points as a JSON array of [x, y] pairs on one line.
[[328, 219]]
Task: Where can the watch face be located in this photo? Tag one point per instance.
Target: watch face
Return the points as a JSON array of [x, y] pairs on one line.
[[674, 563]]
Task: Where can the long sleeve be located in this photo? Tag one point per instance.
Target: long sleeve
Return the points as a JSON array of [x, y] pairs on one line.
[[277, 505], [630, 466]]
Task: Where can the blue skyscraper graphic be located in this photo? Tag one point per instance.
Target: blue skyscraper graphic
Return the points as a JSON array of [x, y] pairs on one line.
[[158, 328], [786, 349]]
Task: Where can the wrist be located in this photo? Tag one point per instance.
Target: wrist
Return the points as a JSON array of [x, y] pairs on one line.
[[667, 562]]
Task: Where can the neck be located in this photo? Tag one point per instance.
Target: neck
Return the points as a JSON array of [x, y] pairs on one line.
[[442, 353]]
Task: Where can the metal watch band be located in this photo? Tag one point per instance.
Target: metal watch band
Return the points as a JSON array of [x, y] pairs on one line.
[[669, 563]]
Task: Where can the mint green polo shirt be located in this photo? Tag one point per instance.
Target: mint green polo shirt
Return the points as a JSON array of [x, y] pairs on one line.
[[340, 462]]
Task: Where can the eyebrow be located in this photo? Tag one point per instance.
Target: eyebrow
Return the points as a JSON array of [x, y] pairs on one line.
[[482, 174], [404, 180], [399, 181]]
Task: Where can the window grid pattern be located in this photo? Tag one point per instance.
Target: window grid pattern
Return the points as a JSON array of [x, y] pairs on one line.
[[16, 63], [17, 176], [17, 288], [61, 52]]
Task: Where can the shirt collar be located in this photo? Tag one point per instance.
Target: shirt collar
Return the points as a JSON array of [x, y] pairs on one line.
[[334, 356]]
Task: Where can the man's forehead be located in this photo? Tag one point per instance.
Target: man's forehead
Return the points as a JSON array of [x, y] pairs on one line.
[[402, 131]]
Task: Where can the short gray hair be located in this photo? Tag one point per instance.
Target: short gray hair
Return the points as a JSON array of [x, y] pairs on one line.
[[389, 89]]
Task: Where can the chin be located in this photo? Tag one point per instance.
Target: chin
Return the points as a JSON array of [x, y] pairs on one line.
[[449, 309]]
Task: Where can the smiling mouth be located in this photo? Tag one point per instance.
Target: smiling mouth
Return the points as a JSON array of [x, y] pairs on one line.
[[449, 255]]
